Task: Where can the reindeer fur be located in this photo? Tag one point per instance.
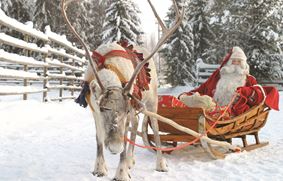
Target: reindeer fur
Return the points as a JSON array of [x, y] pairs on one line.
[[112, 83]]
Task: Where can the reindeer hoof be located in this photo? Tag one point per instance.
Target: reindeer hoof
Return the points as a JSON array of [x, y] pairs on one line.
[[99, 174], [122, 176], [117, 179], [100, 169], [162, 166], [162, 170], [128, 179], [131, 163]]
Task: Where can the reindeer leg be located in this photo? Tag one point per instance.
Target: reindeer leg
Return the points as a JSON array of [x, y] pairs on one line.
[[151, 105], [122, 172], [130, 153], [161, 164], [100, 168]]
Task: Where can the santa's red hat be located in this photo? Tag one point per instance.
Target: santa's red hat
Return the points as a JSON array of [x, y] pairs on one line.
[[238, 53]]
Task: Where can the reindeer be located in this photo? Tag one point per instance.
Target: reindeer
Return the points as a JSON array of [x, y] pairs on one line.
[[110, 101]]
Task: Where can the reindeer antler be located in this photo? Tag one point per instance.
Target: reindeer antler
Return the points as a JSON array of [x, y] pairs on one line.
[[64, 6], [166, 33]]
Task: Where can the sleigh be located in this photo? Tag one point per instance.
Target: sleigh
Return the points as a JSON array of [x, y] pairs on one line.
[[241, 126]]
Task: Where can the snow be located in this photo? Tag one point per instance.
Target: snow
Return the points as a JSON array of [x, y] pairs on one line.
[[56, 141], [203, 65], [62, 52], [19, 59], [123, 21], [56, 62], [6, 39], [61, 39], [6, 73], [26, 29], [63, 75], [64, 87], [18, 89]]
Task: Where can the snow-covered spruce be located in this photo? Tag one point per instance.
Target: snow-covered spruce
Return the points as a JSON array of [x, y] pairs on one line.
[[122, 21]]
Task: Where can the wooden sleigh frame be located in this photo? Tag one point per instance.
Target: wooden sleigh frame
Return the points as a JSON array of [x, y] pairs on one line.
[[248, 123]]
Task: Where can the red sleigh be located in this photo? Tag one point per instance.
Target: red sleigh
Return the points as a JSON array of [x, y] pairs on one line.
[[248, 123]]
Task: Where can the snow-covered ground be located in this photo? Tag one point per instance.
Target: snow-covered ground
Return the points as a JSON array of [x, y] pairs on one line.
[[56, 141]]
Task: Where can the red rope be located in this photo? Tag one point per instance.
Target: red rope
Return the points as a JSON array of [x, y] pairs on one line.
[[185, 144]]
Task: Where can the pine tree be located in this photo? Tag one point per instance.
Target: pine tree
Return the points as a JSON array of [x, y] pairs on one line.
[[122, 21], [219, 19], [86, 17], [178, 52], [49, 13], [256, 26], [264, 36], [21, 10], [95, 10], [5, 5], [204, 37]]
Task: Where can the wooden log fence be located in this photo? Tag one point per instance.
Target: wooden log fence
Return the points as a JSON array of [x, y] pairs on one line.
[[24, 65], [204, 70]]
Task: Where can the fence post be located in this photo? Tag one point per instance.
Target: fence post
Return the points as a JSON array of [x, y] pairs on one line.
[[45, 80], [26, 52], [61, 81], [73, 81]]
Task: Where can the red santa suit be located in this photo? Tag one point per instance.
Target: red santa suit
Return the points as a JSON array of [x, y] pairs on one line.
[[250, 93]]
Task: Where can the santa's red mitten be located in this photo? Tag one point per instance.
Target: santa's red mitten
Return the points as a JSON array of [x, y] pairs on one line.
[[244, 91], [253, 94], [240, 106], [257, 97]]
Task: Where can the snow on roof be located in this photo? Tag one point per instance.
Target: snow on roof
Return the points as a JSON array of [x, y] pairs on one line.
[[5, 90], [9, 73], [6, 39], [61, 39], [14, 24], [15, 58]]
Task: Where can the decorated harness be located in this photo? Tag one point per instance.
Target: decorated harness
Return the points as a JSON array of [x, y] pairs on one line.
[[142, 80]]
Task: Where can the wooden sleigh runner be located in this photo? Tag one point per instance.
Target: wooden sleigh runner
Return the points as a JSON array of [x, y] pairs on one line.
[[241, 126]]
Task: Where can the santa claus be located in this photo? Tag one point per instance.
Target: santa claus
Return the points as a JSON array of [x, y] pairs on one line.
[[233, 74], [233, 78]]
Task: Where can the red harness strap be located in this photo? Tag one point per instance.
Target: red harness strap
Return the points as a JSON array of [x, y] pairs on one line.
[[100, 59], [143, 78], [117, 53]]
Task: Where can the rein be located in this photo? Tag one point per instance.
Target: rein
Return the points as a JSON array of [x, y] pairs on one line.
[[188, 143]]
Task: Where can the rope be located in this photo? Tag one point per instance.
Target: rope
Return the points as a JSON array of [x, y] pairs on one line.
[[188, 143]]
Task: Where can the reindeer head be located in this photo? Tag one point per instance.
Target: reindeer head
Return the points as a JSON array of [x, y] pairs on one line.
[[113, 101], [112, 106]]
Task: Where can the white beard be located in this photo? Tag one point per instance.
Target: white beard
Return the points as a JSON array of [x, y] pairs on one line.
[[231, 77]]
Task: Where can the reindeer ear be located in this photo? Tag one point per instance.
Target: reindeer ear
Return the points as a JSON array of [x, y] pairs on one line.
[[95, 89]]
